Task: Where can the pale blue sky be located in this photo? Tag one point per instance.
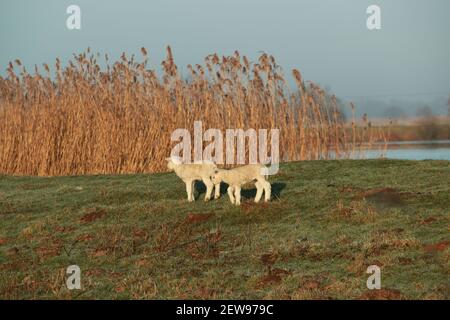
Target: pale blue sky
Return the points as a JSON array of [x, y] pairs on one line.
[[326, 39]]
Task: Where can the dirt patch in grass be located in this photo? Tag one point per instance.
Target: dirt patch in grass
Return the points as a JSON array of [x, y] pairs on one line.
[[311, 283], [48, 252], [12, 251], [49, 248], [381, 294], [16, 265], [440, 246], [273, 277], [3, 241], [92, 215], [428, 220], [383, 197], [198, 217], [269, 259], [249, 206]]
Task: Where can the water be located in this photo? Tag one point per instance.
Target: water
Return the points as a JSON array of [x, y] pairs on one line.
[[413, 150]]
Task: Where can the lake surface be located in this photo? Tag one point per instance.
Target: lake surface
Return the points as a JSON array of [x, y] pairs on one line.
[[412, 150]]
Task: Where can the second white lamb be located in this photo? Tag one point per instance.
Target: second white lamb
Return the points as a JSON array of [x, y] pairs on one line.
[[237, 177]]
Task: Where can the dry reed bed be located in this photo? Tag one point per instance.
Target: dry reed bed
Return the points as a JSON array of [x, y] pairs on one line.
[[85, 119]]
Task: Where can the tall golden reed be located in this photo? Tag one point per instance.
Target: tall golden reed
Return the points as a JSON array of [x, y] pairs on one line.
[[89, 120]]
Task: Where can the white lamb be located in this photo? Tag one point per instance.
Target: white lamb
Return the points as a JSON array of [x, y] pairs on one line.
[[190, 173], [237, 177]]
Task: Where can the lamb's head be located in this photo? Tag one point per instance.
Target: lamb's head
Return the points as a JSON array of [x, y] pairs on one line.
[[217, 176], [172, 162]]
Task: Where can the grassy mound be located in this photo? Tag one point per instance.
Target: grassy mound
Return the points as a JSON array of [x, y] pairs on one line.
[[136, 236]]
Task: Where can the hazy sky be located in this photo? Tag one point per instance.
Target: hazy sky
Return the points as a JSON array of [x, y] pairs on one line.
[[326, 39]]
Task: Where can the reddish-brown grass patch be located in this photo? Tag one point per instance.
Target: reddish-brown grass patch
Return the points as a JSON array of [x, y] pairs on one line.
[[428, 220], [381, 294], [198, 217], [440, 246], [92, 215]]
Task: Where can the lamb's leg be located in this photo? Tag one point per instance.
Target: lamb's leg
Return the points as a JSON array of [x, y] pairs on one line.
[[230, 194], [237, 194], [189, 190], [217, 191], [259, 191], [209, 188], [192, 190], [267, 190]]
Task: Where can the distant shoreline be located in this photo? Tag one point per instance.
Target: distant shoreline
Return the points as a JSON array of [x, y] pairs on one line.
[[414, 128]]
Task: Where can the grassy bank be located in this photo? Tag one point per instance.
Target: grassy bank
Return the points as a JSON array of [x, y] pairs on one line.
[[137, 237]]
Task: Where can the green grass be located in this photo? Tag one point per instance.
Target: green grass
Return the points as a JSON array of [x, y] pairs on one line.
[[136, 236]]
